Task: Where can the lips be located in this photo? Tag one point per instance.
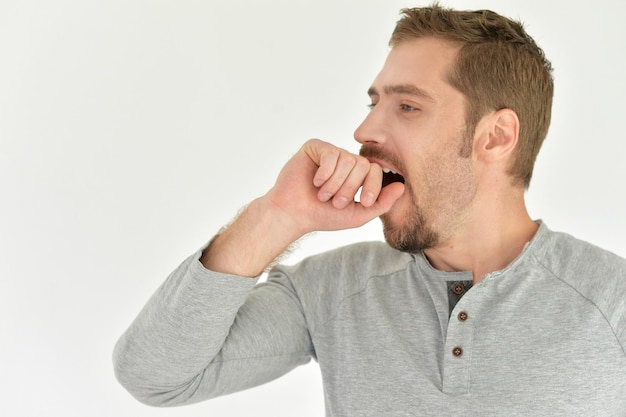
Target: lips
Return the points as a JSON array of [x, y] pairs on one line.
[[377, 155]]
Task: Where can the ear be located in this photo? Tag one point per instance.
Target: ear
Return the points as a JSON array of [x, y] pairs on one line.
[[500, 133]]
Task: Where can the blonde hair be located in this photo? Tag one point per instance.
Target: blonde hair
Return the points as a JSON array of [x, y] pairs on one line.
[[498, 66]]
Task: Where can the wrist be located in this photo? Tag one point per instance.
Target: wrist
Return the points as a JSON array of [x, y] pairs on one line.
[[253, 241]]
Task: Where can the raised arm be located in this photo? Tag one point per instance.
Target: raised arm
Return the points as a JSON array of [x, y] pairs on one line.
[[208, 331]]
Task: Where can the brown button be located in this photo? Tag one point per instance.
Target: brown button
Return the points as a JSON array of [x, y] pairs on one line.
[[458, 289], [462, 316], [457, 351]]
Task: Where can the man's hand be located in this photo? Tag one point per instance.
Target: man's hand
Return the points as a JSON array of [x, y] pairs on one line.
[[314, 191]]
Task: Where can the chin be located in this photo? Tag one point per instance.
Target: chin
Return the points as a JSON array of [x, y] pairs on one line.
[[408, 233]]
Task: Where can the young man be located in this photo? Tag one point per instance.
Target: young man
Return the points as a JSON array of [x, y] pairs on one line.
[[472, 308]]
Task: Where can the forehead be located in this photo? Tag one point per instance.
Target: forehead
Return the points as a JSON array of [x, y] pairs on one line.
[[423, 63]]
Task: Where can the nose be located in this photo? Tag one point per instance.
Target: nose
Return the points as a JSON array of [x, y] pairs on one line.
[[373, 129]]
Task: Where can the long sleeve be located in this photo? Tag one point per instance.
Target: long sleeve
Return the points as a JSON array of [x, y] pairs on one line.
[[204, 334]]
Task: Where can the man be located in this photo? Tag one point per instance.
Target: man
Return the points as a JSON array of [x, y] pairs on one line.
[[472, 308]]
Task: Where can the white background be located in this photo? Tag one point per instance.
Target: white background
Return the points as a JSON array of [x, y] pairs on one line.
[[131, 130]]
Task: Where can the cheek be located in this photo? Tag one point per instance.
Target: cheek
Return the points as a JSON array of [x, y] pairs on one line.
[[460, 182], [442, 179]]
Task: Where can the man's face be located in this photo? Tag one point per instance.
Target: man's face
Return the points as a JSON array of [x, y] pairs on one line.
[[417, 128]]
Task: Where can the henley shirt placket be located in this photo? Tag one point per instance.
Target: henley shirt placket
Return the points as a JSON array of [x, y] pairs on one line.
[[459, 340]]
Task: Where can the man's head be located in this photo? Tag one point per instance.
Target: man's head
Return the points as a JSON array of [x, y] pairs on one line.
[[459, 110], [498, 66]]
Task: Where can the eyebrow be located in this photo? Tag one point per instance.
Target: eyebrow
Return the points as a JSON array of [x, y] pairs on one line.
[[401, 89]]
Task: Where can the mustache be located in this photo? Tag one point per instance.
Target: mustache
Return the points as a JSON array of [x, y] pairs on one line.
[[376, 152]]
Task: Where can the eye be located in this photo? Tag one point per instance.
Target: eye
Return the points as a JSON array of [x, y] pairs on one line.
[[371, 106], [407, 108]]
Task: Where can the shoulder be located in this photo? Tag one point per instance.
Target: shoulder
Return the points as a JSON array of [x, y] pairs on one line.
[[597, 275], [321, 282], [576, 261], [349, 266], [365, 258]]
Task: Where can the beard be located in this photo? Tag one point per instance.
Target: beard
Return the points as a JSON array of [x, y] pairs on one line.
[[413, 234]]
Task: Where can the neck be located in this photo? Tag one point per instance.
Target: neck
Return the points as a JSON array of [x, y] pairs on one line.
[[488, 241]]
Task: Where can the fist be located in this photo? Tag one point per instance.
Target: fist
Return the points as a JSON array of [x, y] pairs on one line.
[[317, 188]]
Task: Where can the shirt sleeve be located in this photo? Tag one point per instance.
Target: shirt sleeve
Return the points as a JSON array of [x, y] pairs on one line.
[[204, 334]]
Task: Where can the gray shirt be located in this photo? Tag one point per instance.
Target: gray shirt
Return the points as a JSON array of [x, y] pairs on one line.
[[546, 336]]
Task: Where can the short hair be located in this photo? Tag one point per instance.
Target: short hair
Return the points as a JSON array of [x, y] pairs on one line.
[[498, 66]]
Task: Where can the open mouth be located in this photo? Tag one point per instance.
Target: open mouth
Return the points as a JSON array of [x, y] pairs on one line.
[[390, 176]]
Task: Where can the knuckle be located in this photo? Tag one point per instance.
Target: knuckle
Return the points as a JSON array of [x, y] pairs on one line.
[[363, 163], [374, 167], [347, 160]]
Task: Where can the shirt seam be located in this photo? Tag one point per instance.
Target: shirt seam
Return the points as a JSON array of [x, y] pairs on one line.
[[304, 353], [295, 298], [608, 322], [363, 288]]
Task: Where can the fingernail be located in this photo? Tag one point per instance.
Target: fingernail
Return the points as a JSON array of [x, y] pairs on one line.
[[325, 196], [367, 199], [341, 202]]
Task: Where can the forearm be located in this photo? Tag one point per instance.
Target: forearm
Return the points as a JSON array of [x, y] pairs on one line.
[[245, 248]]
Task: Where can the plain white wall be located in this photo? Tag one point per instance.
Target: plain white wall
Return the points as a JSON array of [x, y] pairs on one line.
[[131, 130]]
